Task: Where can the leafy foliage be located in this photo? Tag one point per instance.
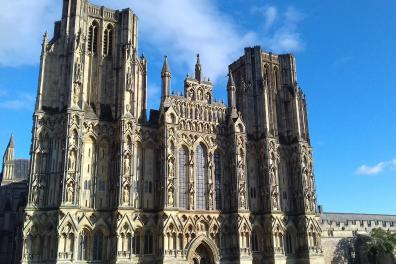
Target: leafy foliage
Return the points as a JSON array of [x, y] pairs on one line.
[[379, 242]]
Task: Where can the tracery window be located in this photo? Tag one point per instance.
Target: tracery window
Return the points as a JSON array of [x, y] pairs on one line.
[[83, 242], [136, 243], [255, 242], [98, 246], [108, 41], [148, 243], [93, 37], [217, 161], [183, 171], [201, 171]]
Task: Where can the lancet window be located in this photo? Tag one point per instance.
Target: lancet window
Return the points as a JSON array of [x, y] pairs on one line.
[[183, 172], [93, 37], [217, 161], [201, 176], [98, 246], [108, 41]]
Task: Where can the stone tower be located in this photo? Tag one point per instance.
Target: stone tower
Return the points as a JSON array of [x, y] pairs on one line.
[[8, 163], [280, 169], [196, 182]]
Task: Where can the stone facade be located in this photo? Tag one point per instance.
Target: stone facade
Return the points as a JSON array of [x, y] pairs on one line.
[[13, 194], [196, 182]]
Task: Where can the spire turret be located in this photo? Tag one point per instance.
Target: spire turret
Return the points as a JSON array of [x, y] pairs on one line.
[[166, 77], [11, 142], [8, 161], [231, 89], [198, 70]]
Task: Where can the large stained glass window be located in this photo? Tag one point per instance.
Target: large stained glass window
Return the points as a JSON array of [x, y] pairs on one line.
[[183, 171], [217, 161], [201, 178]]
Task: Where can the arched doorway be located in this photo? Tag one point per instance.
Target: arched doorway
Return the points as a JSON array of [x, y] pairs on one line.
[[203, 255]]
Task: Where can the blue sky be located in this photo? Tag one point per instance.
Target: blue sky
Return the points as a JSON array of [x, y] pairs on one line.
[[345, 64]]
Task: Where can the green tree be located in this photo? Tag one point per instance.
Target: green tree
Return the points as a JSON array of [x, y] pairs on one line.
[[379, 243]]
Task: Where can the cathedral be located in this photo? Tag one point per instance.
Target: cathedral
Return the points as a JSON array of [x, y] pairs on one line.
[[197, 181]]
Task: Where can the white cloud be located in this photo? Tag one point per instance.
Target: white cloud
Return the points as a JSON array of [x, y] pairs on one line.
[[279, 29], [22, 25], [178, 28], [22, 101], [377, 168], [286, 37], [270, 14], [181, 29]]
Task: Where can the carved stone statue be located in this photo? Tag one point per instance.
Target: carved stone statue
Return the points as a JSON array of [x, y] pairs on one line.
[[35, 195], [76, 93], [170, 197], [125, 197], [242, 194], [211, 194], [171, 171], [129, 81], [70, 192], [275, 203], [126, 165], [191, 195]]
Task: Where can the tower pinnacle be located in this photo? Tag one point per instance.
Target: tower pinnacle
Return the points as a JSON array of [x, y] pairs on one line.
[[11, 142], [166, 77], [198, 70]]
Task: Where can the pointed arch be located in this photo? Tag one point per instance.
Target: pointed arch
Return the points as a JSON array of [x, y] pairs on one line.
[[108, 40], [84, 243]]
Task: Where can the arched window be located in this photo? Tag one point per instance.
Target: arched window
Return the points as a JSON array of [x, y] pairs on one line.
[[108, 41], [183, 172], [93, 37], [83, 243], [289, 244], [266, 75], [98, 246], [255, 242], [217, 161], [136, 243], [148, 243], [201, 171]]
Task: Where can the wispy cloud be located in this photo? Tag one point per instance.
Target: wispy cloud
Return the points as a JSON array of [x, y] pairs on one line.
[[22, 101], [377, 168], [280, 30]]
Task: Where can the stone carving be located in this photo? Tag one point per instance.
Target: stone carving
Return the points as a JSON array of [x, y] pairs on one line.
[[70, 192], [275, 203], [170, 196], [171, 171], [77, 71], [242, 196], [191, 195], [125, 196], [129, 81], [211, 195], [76, 93], [127, 166]]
